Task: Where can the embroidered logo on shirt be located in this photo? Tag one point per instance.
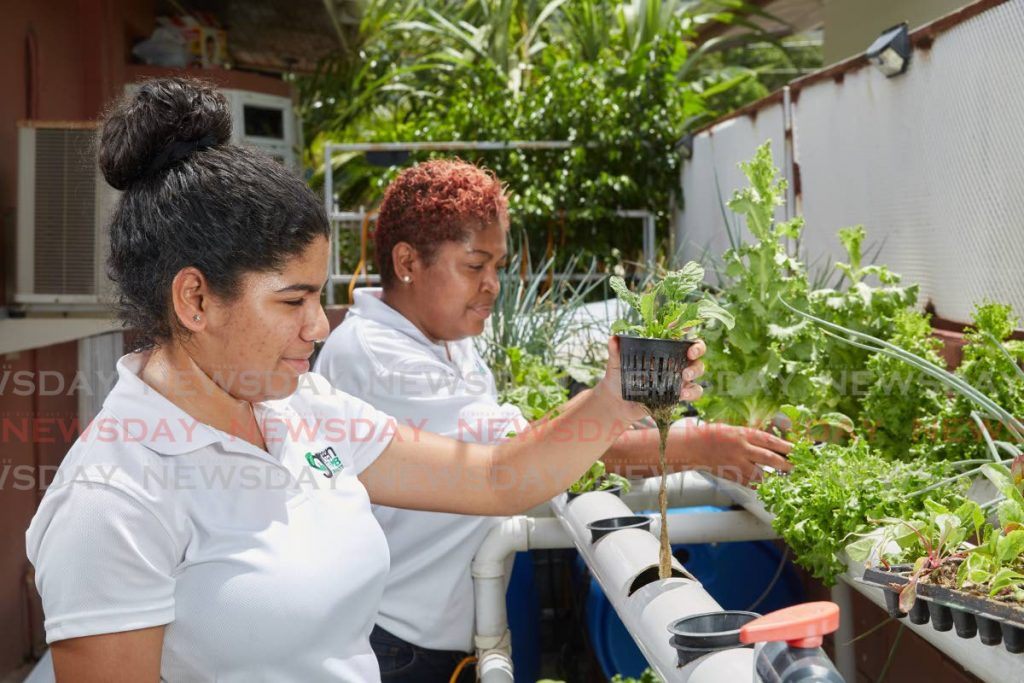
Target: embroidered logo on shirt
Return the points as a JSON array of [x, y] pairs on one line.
[[327, 461]]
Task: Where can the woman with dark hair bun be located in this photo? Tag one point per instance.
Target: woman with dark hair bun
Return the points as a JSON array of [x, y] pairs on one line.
[[213, 522], [408, 350]]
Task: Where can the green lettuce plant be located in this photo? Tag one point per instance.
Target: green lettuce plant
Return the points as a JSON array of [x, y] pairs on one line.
[[765, 361], [835, 490], [873, 309]]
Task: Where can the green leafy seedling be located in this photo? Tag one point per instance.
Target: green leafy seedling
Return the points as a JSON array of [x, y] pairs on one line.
[[669, 309], [598, 478]]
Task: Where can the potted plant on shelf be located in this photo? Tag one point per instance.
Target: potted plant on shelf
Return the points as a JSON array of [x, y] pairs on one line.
[[653, 354]]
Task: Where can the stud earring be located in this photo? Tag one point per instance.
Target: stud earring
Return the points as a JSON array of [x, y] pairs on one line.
[[406, 279], [197, 317]]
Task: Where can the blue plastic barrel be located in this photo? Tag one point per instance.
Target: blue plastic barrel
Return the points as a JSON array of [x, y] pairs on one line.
[[734, 574], [523, 605]]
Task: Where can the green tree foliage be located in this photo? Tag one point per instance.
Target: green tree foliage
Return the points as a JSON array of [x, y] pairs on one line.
[[622, 81]]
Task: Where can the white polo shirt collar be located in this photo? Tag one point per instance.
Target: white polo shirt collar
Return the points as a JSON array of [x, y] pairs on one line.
[[460, 356], [368, 303], [149, 418]]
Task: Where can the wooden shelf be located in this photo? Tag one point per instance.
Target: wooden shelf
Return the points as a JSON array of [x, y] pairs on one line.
[[224, 78]]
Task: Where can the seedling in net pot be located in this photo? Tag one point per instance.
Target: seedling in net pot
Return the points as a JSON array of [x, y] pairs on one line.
[[652, 353], [653, 347]]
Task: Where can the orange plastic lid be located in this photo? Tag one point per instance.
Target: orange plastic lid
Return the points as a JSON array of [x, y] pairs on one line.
[[800, 625]]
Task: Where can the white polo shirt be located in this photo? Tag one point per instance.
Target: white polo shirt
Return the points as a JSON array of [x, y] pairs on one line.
[[379, 356], [262, 567]]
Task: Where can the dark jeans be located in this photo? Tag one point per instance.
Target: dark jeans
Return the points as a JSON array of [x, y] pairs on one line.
[[402, 662]]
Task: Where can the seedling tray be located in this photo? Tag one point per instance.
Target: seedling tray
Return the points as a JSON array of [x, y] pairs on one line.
[[971, 615]]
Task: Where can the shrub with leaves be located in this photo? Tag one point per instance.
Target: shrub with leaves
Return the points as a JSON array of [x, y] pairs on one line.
[[765, 360], [621, 81], [529, 384], [536, 312], [901, 399]]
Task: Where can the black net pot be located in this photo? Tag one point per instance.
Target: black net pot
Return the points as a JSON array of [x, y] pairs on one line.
[[652, 370], [602, 527], [701, 634]]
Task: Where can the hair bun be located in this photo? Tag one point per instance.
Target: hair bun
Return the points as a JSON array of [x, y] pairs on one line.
[[159, 124]]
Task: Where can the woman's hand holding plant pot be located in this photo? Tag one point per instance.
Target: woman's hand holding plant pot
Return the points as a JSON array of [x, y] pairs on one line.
[[656, 339], [612, 380]]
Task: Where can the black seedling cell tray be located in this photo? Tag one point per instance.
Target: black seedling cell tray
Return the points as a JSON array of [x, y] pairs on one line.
[[970, 615]]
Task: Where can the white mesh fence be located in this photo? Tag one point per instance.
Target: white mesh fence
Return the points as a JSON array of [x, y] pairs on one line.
[[930, 162]]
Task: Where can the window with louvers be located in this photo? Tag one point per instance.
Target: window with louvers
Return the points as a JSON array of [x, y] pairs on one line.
[[65, 215]]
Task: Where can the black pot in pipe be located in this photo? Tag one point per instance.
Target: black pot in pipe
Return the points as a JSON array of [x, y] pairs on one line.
[[701, 634], [652, 370], [603, 527]]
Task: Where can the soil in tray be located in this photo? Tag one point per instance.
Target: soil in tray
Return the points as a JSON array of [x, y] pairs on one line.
[[943, 580], [972, 613]]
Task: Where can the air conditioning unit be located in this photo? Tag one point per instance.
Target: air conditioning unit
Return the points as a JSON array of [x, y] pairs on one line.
[[64, 205], [264, 121]]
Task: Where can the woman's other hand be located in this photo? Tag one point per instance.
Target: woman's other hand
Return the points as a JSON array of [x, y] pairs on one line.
[[730, 452]]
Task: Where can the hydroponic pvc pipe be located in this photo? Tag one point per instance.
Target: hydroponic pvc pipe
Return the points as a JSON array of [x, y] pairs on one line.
[[492, 640], [714, 527], [624, 563], [625, 558], [685, 489]]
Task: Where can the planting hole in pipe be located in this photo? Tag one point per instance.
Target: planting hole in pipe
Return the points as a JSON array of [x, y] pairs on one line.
[[614, 490], [650, 575]]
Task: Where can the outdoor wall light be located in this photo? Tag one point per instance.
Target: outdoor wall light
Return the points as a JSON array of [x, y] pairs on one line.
[[685, 146], [890, 53]]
